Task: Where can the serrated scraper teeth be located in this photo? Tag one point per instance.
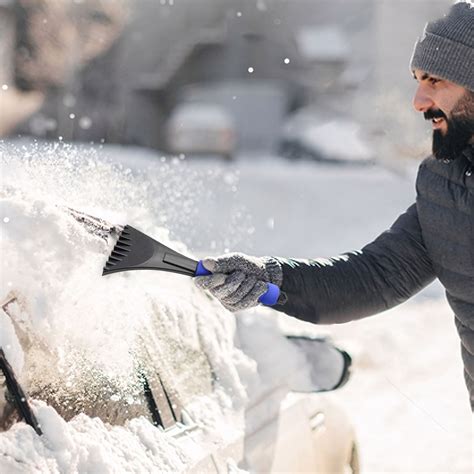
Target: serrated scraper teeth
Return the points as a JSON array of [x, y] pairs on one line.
[[123, 247], [115, 253], [120, 251]]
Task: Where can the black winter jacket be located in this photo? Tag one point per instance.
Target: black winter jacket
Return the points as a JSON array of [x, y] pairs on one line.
[[434, 238]]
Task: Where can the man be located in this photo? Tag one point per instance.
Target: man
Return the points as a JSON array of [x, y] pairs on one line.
[[434, 238]]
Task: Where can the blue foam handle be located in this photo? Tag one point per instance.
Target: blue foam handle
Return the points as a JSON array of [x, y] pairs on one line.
[[269, 298], [201, 270]]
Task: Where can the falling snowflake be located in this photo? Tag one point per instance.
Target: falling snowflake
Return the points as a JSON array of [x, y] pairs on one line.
[[85, 123]]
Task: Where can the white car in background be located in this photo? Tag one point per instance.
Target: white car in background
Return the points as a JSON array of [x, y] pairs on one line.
[[201, 129]]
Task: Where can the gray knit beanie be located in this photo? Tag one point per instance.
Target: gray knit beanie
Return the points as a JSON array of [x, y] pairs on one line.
[[446, 47]]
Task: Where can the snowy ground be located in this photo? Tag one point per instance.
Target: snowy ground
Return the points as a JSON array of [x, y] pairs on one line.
[[407, 397]]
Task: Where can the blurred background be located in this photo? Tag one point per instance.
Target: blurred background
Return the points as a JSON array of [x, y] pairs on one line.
[[223, 77]]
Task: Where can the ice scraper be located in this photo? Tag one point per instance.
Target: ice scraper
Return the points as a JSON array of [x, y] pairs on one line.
[[135, 250]]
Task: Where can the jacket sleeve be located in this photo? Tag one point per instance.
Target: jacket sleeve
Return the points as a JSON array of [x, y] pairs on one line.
[[384, 273]]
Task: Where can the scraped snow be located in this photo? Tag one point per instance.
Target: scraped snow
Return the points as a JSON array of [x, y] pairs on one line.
[[53, 265]]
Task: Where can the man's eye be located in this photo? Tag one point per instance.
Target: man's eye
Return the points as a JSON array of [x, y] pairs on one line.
[[434, 80]]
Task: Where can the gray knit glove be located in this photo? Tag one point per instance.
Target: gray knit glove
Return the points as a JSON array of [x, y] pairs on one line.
[[239, 280]]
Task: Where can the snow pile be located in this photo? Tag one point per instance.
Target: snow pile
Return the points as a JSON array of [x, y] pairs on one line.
[[88, 445]]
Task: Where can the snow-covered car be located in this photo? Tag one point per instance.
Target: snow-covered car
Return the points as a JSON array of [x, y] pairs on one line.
[[142, 371], [309, 134], [183, 376], [200, 128], [280, 430]]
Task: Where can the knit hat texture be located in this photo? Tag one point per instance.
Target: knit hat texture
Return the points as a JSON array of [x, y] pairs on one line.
[[446, 47]]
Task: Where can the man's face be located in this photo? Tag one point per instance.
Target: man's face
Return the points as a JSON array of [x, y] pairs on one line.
[[450, 108]]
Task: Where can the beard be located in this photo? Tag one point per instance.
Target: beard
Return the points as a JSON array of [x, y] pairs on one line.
[[460, 129], [450, 145]]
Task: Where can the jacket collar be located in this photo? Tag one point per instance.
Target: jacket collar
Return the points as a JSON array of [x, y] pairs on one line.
[[468, 152]]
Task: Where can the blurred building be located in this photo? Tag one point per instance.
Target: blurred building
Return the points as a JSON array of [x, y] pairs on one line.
[[113, 71]]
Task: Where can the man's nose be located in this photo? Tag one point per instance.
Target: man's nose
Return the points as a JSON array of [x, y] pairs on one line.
[[422, 101]]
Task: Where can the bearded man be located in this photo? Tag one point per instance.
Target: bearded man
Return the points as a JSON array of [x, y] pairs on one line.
[[434, 238]]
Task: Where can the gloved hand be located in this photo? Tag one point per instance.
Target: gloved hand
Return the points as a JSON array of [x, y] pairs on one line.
[[238, 280]]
